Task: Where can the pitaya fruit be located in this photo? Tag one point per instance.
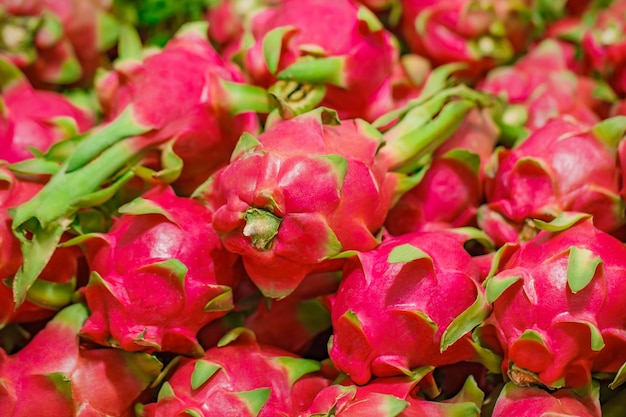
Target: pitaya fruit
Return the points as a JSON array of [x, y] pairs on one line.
[[157, 276], [482, 34], [537, 402], [94, 166], [558, 305], [32, 118], [540, 86], [390, 397], [57, 41], [335, 54], [204, 129], [284, 224], [451, 190], [54, 375], [563, 166], [603, 44], [58, 280], [239, 377], [411, 302]]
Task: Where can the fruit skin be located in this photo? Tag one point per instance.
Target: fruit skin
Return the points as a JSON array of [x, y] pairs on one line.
[[56, 375], [558, 305], [534, 401], [62, 41], [58, 279], [157, 276], [321, 31], [286, 226], [239, 377], [425, 287], [563, 166], [451, 190], [34, 118], [178, 90]]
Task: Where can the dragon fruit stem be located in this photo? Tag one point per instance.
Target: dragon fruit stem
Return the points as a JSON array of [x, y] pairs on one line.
[[245, 98]]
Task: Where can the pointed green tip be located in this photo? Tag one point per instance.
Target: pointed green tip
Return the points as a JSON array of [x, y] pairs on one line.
[[200, 28], [317, 71], [255, 399], [296, 368], [611, 130], [203, 371]]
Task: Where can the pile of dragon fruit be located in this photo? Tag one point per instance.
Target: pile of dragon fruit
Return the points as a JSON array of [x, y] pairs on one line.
[[312, 208]]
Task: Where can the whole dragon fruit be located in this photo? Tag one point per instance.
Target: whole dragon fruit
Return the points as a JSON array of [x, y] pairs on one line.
[[540, 86], [337, 52], [157, 276], [411, 302], [534, 401], [564, 166], [34, 118], [58, 280], [56, 376], [317, 187], [451, 190], [239, 377], [558, 305], [198, 115], [483, 34], [57, 41], [390, 397]]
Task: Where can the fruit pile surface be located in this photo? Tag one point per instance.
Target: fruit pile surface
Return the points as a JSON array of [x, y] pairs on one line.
[[321, 208]]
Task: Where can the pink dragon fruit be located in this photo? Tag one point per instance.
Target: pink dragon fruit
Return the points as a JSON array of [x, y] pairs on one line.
[[337, 51], [564, 166], [451, 190], [558, 305], [240, 378], [481, 33], [34, 118], [411, 302], [286, 226], [540, 86], [157, 276], [534, 401], [58, 280], [55, 376], [196, 115], [603, 43], [390, 397], [57, 41]]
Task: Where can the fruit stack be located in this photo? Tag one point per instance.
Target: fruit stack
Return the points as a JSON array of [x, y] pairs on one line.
[[312, 208]]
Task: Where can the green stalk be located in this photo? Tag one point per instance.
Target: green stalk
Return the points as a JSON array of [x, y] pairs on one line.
[[405, 153]]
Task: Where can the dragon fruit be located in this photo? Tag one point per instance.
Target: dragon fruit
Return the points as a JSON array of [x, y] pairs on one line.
[[157, 276], [390, 397], [57, 41], [424, 286], [451, 190], [58, 280], [32, 118], [564, 166], [534, 401], [603, 43], [56, 376], [239, 377], [204, 127], [335, 54], [558, 302], [482, 34], [540, 86]]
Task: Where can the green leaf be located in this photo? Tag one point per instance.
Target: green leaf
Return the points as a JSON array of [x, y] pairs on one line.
[[611, 130], [581, 268], [255, 399], [221, 302], [296, 368], [563, 221], [328, 70], [406, 253], [620, 377], [497, 285], [272, 45], [140, 206], [246, 144], [203, 370], [466, 321]]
